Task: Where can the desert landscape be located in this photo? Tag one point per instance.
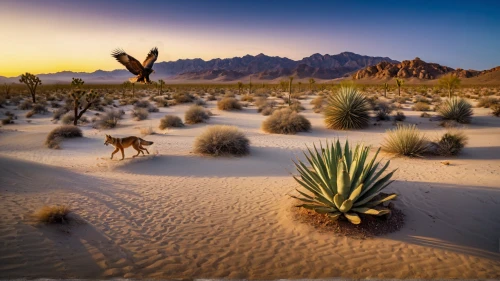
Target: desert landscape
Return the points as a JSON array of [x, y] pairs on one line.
[[245, 166]]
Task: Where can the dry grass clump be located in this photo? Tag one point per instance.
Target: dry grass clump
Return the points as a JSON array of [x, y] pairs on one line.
[[286, 121], [348, 109], [247, 98], [54, 138], [399, 116], [140, 114], [200, 102], [170, 121], [53, 214], [495, 110], [487, 102], [451, 143], [229, 104], [382, 111], [296, 106], [146, 131], [25, 105], [196, 114], [421, 106], [456, 109], [56, 115], [405, 140], [144, 104], [68, 118], [109, 119], [222, 140], [425, 115], [317, 104], [183, 97]]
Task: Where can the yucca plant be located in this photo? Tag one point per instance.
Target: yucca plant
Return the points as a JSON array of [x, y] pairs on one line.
[[348, 109], [342, 182], [405, 140], [456, 109]]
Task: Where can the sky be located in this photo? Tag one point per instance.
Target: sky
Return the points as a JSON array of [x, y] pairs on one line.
[[46, 36]]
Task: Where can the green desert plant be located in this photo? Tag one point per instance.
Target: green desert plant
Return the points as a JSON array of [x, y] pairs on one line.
[[456, 109], [348, 109], [449, 82], [222, 140], [286, 121], [341, 181], [405, 140], [170, 121], [451, 143]]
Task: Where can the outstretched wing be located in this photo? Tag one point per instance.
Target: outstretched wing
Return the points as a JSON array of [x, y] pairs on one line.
[[151, 58], [129, 62]]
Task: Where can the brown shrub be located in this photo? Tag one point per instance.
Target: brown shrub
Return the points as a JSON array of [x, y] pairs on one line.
[[222, 140]]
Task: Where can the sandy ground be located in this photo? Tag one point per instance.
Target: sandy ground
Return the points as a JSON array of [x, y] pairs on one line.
[[178, 215]]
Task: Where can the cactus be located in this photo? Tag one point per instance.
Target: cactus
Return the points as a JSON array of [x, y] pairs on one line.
[[342, 182], [400, 83], [290, 91], [32, 83], [161, 83], [386, 88]]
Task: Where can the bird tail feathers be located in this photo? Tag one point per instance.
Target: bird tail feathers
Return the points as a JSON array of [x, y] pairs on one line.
[[133, 79]]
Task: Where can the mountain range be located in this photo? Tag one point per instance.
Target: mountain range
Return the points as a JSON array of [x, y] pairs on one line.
[[261, 67]]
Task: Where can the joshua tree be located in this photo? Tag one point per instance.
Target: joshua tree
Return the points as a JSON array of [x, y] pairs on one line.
[[290, 91], [78, 95], [240, 86], [300, 84], [400, 83], [449, 82], [386, 88], [311, 82], [161, 83], [31, 82], [6, 90]]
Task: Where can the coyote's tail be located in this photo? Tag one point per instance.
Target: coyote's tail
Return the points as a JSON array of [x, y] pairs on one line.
[[133, 79], [143, 142]]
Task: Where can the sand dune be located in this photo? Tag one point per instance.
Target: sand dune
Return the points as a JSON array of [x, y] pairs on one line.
[[174, 214]]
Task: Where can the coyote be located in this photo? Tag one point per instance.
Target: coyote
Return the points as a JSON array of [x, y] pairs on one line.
[[121, 143]]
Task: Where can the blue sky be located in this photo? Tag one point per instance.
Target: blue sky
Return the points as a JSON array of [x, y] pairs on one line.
[[463, 34]]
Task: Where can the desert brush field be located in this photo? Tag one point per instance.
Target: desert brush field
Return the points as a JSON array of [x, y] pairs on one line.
[[216, 195]]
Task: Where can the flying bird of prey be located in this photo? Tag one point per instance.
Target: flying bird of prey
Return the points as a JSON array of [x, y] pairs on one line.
[[135, 67]]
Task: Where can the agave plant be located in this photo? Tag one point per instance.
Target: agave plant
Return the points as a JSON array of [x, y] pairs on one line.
[[456, 109], [341, 182], [348, 109]]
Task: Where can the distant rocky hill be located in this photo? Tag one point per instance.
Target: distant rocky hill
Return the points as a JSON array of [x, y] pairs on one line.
[[416, 68], [260, 66]]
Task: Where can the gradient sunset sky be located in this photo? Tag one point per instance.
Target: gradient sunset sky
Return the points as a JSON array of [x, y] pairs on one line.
[[45, 36]]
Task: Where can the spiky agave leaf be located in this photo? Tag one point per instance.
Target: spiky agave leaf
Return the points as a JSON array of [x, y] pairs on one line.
[[348, 109], [340, 181]]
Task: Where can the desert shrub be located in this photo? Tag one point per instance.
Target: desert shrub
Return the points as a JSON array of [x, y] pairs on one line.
[[68, 118], [296, 106], [451, 143], [109, 119], [334, 184], [222, 140], [211, 98], [144, 104], [425, 115], [52, 214], [495, 110], [183, 97], [55, 104], [140, 114], [25, 105], [8, 120], [487, 102], [67, 131], [286, 121], [399, 116], [247, 98], [456, 109], [229, 104], [56, 115], [162, 102], [170, 121], [39, 109], [30, 114], [401, 100], [195, 114], [16, 100], [348, 109], [405, 140], [317, 104], [382, 111], [421, 106], [146, 131], [3, 100], [200, 102], [266, 111]]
